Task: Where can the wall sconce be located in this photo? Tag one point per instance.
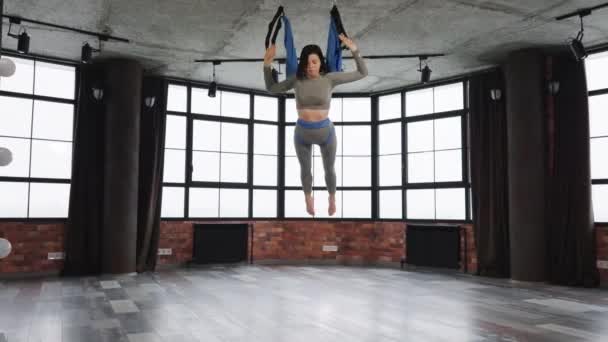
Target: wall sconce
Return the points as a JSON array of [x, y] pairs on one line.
[[553, 87], [495, 94], [97, 93], [150, 101]]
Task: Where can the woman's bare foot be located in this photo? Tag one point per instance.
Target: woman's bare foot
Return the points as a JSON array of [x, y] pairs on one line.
[[331, 210], [310, 204]]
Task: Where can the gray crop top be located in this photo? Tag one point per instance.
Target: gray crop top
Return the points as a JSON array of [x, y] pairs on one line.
[[315, 93]]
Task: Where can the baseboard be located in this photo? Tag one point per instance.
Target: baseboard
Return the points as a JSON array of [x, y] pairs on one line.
[[29, 275]]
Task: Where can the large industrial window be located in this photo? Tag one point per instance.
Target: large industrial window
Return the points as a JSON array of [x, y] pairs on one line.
[[597, 84], [37, 108]]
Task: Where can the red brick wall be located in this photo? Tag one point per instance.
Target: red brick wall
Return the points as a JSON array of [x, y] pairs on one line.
[[372, 242], [31, 244], [379, 242], [468, 249], [179, 236], [602, 250]]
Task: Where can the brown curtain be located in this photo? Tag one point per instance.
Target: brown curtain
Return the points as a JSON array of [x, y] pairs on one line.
[[151, 161], [488, 129], [571, 245], [83, 240]]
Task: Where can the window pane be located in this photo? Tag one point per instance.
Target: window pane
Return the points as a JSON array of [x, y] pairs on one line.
[[264, 203], [449, 97], [390, 204], [175, 134], [357, 109], [51, 159], [419, 102], [598, 115], [450, 204], [174, 168], [177, 98], [599, 158], [234, 203], [206, 135], [234, 137], [265, 170], [23, 79], [295, 206], [356, 204], [319, 171], [204, 202], [390, 170], [420, 168], [448, 166], [20, 150], [55, 80], [321, 198], [389, 106], [357, 171], [203, 104], [53, 120], [13, 202], [15, 116], [233, 167], [597, 68], [448, 133], [420, 136], [290, 149], [49, 200], [291, 112], [335, 109], [235, 105], [292, 172], [172, 202], [357, 140], [266, 108], [421, 204], [265, 139], [600, 202], [206, 166], [389, 138]]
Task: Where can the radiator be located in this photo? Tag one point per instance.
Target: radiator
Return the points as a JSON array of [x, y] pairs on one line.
[[220, 243], [433, 245]]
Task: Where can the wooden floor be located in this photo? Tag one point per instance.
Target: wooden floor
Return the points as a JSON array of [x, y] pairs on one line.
[[298, 303]]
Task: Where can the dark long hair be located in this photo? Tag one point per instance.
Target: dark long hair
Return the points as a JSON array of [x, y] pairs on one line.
[[303, 64]]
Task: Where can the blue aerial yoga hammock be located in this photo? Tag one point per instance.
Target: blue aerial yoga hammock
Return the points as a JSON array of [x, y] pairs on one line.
[[334, 48]]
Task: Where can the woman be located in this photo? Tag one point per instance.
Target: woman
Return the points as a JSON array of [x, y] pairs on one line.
[[313, 87]]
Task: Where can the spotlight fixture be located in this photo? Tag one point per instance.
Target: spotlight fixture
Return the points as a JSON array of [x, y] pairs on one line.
[[425, 73], [150, 101], [23, 43], [495, 94], [87, 53], [576, 44], [23, 39], [213, 86]]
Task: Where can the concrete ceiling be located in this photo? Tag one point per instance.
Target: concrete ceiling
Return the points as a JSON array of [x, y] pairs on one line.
[[167, 36]]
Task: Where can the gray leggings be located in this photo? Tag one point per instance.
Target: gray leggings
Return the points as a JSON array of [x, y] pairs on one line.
[[321, 133]]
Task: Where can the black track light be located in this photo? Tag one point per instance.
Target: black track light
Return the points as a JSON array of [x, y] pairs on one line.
[[576, 44], [212, 89], [425, 73], [23, 43]]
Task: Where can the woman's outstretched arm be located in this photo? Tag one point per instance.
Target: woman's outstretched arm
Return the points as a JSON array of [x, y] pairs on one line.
[[345, 77], [271, 85]]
